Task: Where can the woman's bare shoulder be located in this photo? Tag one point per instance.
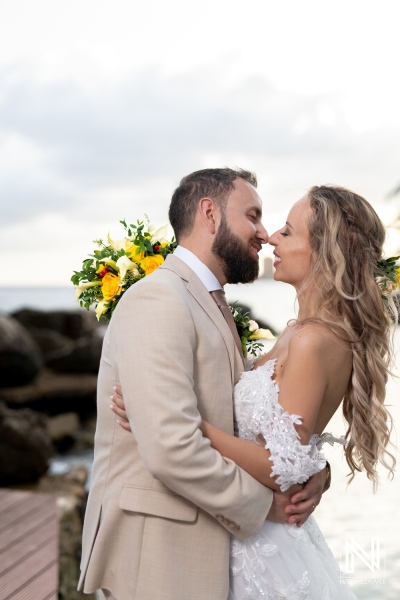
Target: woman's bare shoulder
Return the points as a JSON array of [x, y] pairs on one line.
[[314, 337]]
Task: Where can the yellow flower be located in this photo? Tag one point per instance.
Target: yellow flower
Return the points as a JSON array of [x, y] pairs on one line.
[[151, 263], [107, 260], [101, 268], [110, 286], [131, 250], [128, 246], [398, 277]]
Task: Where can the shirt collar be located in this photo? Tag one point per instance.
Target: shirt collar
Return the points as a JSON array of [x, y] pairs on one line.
[[205, 274]]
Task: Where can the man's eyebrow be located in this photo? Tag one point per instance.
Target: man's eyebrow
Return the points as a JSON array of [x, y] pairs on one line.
[[289, 225]]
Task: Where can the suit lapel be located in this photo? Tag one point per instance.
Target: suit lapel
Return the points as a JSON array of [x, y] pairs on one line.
[[196, 288]]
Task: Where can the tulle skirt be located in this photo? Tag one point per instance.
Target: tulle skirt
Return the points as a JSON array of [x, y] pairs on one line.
[[284, 562]]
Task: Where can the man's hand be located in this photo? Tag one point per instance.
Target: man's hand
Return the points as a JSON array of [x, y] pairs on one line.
[[304, 502], [298, 502], [282, 501], [118, 407]]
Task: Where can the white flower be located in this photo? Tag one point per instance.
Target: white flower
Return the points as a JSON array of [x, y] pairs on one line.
[[262, 334], [160, 235], [102, 308], [253, 326], [84, 286], [124, 264], [387, 286], [118, 244]]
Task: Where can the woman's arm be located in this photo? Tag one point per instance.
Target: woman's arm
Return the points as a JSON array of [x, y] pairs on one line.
[[251, 457], [302, 389]]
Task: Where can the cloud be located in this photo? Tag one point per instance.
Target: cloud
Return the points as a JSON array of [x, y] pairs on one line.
[[73, 149]]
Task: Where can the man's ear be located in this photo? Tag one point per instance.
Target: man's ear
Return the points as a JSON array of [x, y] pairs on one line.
[[210, 214]]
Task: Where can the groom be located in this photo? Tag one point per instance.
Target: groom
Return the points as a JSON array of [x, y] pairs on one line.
[[163, 503]]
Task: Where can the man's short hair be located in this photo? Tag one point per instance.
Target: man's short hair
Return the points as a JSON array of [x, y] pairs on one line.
[[207, 183]]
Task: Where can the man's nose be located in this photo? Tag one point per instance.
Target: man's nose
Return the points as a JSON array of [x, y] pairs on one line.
[[262, 234]]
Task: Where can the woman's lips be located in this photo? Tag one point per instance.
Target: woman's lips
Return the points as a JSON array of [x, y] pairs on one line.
[[277, 260]]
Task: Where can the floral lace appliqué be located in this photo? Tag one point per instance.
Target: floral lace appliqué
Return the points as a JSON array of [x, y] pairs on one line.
[[258, 413]]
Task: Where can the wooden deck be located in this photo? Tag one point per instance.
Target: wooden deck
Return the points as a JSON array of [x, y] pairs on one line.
[[28, 546]]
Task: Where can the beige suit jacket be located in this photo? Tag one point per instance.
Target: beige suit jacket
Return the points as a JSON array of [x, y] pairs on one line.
[[163, 503]]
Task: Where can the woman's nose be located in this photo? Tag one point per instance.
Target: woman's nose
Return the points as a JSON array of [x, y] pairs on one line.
[[273, 240]]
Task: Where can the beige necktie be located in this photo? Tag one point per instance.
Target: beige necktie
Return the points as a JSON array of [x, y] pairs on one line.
[[220, 299]]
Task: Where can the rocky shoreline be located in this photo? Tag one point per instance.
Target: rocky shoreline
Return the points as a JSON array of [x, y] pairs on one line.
[[48, 377]]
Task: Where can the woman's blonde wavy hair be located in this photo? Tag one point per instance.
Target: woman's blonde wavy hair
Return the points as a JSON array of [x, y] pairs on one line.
[[347, 237]]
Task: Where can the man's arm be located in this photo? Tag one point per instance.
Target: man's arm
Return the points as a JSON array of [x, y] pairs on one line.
[[293, 506], [153, 343]]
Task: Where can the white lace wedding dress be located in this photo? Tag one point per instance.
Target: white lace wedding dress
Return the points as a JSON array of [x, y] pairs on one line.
[[281, 562]]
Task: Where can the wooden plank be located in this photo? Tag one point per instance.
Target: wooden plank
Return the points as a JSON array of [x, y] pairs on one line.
[[23, 510], [28, 546], [10, 498], [20, 529], [25, 546], [43, 586], [23, 572]]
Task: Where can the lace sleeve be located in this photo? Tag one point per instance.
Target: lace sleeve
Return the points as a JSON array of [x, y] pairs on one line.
[[293, 462], [261, 414]]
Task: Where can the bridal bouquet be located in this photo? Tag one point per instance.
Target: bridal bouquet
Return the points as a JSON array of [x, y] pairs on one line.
[[116, 265], [249, 332]]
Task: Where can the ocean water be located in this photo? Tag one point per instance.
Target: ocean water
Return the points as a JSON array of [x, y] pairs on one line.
[[41, 298], [362, 528]]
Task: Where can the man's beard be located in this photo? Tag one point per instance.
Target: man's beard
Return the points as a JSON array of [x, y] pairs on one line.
[[237, 263]]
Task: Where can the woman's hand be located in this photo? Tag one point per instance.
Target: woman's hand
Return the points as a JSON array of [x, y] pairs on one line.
[[118, 407]]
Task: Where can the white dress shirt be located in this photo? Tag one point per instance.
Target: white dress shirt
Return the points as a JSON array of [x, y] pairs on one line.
[[205, 275]]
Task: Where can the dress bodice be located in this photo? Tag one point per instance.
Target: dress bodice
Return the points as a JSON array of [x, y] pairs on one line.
[[260, 418]]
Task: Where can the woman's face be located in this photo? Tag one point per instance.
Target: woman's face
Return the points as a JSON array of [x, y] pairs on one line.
[[292, 245]]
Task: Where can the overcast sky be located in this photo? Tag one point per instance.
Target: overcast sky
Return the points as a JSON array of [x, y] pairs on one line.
[[105, 105]]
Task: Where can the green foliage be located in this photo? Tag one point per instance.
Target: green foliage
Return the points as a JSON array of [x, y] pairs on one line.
[[104, 261], [242, 322]]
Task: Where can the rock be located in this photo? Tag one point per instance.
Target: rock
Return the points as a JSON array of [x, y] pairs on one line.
[[80, 356], [63, 430], [54, 393], [84, 437], [72, 324], [49, 341], [25, 446], [66, 424], [20, 357]]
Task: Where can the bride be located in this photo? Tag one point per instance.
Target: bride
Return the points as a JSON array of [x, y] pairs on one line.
[[336, 352]]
